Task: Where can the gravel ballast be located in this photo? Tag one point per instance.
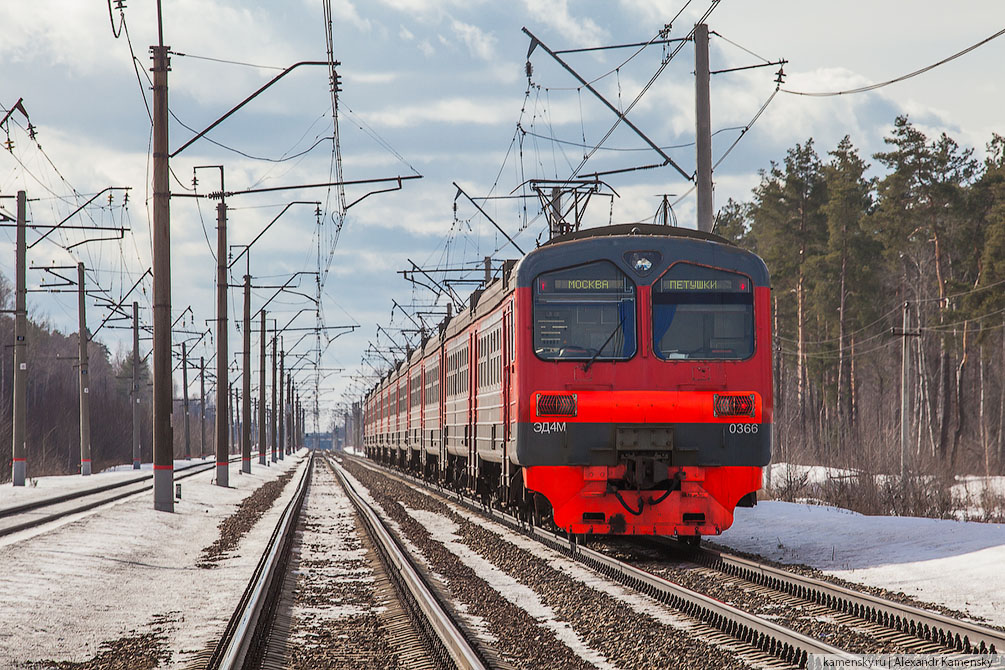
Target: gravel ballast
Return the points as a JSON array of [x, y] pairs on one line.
[[541, 611], [338, 603]]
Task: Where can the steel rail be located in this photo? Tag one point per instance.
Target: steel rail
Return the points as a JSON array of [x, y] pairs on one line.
[[240, 637], [767, 636], [45, 502], [86, 493], [931, 626], [449, 635]]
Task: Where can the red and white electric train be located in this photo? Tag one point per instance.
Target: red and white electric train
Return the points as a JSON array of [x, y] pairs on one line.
[[623, 374]]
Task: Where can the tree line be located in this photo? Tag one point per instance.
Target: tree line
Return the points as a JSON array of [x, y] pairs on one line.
[[53, 402], [850, 255]]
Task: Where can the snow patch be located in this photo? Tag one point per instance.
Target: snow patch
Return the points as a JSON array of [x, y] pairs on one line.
[[444, 530]]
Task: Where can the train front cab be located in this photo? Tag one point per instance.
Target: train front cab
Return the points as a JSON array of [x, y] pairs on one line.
[[645, 381]]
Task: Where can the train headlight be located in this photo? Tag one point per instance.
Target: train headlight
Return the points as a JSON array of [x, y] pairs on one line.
[[734, 404], [549, 404]]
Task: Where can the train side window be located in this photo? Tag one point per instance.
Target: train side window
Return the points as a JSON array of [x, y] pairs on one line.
[[703, 313], [583, 313]]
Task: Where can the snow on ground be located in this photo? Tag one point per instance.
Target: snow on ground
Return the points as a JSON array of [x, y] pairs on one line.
[[640, 603], [777, 474], [444, 530], [968, 489], [473, 620], [38, 488], [117, 569], [954, 563]]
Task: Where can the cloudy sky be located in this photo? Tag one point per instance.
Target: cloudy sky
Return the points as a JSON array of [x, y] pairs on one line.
[[437, 88]]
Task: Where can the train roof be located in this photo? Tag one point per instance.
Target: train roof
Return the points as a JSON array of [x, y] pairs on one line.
[[614, 243], [625, 244], [638, 229]]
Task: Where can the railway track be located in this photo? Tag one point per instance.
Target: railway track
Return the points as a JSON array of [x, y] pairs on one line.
[[38, 512], [447, 640], [893, 626], [257, 634], [916, 629]]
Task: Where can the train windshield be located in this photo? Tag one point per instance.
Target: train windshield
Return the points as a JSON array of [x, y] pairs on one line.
[[703, 313], [584, 313]]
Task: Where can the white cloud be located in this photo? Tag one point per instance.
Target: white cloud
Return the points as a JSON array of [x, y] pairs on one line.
[[478, 111], [54, 32], [658, 12], [356, 77], [480, 44], [345, 10], [426, 8], [406, 34], [555, 14], [426, 48], [451, 110]]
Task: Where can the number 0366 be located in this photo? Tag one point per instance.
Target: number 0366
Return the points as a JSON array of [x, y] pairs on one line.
[[742, 428]]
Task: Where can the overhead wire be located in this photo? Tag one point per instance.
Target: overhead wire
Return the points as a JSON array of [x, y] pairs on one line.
[[652, 80], [895, 80], [227, 61]]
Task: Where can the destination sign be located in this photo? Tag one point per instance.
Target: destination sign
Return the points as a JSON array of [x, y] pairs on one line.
[[585, 285], [706, 285]]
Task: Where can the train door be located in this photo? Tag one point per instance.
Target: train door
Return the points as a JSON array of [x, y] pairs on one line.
[[504, 396], [504, 361], [472, 422], [441, 371], [424, 420]]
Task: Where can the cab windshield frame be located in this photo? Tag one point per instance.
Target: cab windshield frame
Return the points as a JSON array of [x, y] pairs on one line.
[[707, 312], [585, 312]]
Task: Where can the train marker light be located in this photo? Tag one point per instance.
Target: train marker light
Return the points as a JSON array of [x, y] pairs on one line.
[[734, 404], [556, 405]]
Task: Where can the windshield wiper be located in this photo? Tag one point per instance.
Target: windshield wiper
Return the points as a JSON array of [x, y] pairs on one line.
[[586, 366]]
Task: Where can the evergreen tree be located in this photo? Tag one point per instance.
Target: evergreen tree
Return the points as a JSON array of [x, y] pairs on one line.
[[922, 220], [788, 228], [848, 269], [733, 221]]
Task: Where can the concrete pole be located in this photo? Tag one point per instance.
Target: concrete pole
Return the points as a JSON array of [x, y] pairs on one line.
[[202, 407], [19, 461], [703, 136], [555, 215], [281, 407], [262, 442], [232, 435], [82, 364], [134, 397], [289, 413], [163, 440], [903, 398], [222, 357], [185, 405], [246, 381], [273, 436]]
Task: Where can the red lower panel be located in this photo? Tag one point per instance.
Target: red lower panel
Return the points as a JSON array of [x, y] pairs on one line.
[[707, 496]]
